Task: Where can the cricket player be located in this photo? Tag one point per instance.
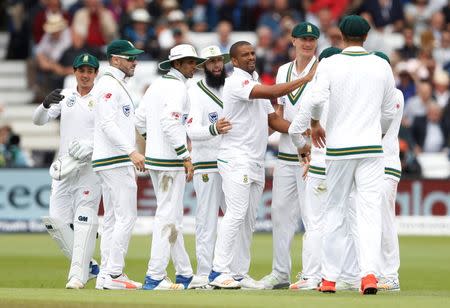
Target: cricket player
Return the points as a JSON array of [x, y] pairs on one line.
[[241, 161], [162, 115], [288, 184], [205, 129], [315, 190], [114, 160], [74, 200], [360, 89]]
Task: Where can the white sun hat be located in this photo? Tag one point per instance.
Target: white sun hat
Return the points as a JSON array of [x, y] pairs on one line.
[[214, 51], [140, 15], [179, 52], [55, 23]]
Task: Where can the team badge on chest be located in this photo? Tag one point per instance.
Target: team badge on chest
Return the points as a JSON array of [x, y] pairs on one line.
[[205, 177], [70, 101], [213, 117], [126, 110]]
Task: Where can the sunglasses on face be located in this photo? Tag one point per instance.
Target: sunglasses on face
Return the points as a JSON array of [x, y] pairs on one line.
[[128, 58]]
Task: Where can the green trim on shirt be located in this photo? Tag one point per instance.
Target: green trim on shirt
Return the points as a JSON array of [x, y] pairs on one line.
[[369, 149], [355, 53], [163, 162], [181, 150], [288, 157], [213, 130], [167, 76], [317, 170], [110, 161], [205, 165], [393, 172], [208, 92], [293, 98]]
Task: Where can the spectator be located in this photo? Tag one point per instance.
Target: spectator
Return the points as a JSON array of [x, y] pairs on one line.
[[428, 131], [409, 49], [263, 50], [203, 15], [405, 81], [385, 13], [223, 31], [335, 7], [50, 7], [418, 13], [95, 24], [437, 24], [176, 26], [142, 34], [11, 156], [18, 27], [233, 12], [117, 9], [441, 91], [417, 105], [441, 54], [56, 40], [273, 17]]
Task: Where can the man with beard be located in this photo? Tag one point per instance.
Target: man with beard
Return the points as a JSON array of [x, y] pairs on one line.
[[162, 116], [114, 159], [241, 161], [205, 127]]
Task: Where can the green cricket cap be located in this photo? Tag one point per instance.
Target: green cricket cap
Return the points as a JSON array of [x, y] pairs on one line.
[[305, 29], [354, 25], [122, 48], [85, 59]]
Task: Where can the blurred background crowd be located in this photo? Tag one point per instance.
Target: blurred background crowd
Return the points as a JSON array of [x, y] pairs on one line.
[[48, 34]]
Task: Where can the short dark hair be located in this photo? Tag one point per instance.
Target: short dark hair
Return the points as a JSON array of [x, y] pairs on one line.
[[359, 39], [235, 46]]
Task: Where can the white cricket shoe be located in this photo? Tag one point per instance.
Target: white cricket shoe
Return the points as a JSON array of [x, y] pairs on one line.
[[163, 284], [248, 283], [120, 283], [385, 284], [199, 282], [304, 283], [100, 281], [224, 281], [272, 282], [347, 286], [74, 283]]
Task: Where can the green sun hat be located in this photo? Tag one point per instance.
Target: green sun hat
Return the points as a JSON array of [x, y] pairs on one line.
[[86, 59], [328, 52], [354, 25], [305, 29], [122, 48]]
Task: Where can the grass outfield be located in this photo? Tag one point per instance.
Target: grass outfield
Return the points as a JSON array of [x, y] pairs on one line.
[[34, 274]]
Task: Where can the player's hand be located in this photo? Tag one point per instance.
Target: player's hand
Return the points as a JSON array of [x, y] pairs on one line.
[[223, 126], [305, 170], [53, 98], [318, 135], [138, 160], [188, 169], [305, 153]]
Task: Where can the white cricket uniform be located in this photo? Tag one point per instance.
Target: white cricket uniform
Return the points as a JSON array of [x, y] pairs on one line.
[[162, 114], [77, 123], [206, 109], [288, 184], [315, 192], [360, 90], [82, 187], [114, 140], [390, 255], [241, 165]]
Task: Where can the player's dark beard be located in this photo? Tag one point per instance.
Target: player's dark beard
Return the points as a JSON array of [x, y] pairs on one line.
[[215, 81]]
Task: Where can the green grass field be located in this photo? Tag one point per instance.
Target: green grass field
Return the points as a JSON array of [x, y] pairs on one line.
[[34, 275]]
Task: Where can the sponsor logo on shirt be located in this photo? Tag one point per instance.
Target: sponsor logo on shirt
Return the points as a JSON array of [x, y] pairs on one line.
[[108, 95], [176, 115], [126, 110], [245, 82], [213, 117], [71, 101]]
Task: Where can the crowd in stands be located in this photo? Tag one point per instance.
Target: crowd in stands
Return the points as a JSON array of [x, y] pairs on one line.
[[415, 34]]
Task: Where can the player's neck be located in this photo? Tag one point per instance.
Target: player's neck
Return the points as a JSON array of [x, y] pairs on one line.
[[301, 63], [84, 90]]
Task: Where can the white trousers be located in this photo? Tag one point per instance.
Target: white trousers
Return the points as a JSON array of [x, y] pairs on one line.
[[167, 238], [210, 197], [367, 176], [390, 255], [242, 184], [120, 204], [287, 200], [312, 217], [80, 189]]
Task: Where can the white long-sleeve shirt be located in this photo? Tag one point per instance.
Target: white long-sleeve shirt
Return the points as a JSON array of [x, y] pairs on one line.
[[360, 89], [206, 110], [162, 116], [287, 152], [77, 118], [391, 147], [114, 134]]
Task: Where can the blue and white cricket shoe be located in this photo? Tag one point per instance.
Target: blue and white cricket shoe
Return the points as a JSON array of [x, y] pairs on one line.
[[223, 281], [193, 282], [94, 269], [163, 284]]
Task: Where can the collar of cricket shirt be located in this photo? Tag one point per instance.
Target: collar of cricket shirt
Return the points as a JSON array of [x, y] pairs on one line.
[[118, 74], [355, 51], [254, 76], [293, 69], [177, 74]]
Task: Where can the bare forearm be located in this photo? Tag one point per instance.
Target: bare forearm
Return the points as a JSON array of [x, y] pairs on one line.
[[278, 123]]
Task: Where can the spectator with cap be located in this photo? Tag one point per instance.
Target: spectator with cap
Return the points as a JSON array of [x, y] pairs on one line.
[[56, 40], [142, 34], [440, 87]]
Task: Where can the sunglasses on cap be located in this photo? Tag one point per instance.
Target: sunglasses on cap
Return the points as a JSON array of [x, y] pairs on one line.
[[128, 58]]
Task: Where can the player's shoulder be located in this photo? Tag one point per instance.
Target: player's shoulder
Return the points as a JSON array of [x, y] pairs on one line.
[[285, 67]]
